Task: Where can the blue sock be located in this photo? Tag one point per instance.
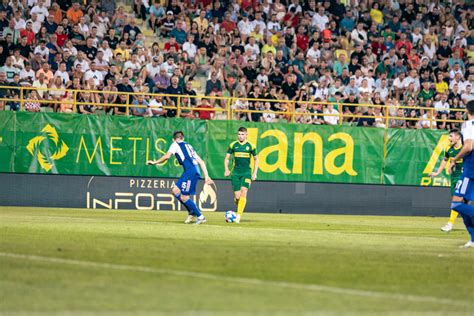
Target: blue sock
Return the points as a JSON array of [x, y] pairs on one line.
[[467, 213], [469, 222], [471, 232], [177, 196], [463, 208], [192, 207]]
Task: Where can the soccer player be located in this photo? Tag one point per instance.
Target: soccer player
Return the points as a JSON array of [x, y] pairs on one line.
[[449, 153], [242, 175], [464, 193], [186, 185]]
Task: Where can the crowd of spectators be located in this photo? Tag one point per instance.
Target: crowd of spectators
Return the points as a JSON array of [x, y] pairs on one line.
[[329, 56]]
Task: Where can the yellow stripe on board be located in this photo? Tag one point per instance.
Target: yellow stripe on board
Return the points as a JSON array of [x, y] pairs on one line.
[[436, 153]]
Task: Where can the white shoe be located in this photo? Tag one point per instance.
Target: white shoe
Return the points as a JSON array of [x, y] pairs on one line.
[[447, 228], [469, 244], [237, 219], [200, 220], [189, 219]]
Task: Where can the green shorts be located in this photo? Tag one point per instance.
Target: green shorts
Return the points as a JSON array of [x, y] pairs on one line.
[[454, 181], [241, 179]]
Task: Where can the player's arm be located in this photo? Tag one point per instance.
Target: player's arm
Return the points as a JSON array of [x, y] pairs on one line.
[[164, 158], [201, 163], [173, 149], [226, 165], [255, 168], [440, 169], [230, 151]]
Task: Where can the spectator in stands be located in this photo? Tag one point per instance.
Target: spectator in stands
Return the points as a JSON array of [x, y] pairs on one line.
[[156, 107], [3, 91], [86, 105], [125, 87], [167, 24], [368, 119], [109, 97], [213, 85], [332, 115], [74, 13], [388, 52], [161, 81], [202, 110], [179, 34], [174, 90], [32, 105], [141, 106], [67, 103]]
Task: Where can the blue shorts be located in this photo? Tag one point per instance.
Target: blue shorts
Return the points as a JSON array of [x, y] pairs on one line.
[[465, 188], [187, 183]]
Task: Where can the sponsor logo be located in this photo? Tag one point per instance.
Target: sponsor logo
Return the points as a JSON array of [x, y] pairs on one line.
[[40, 148], [208, 198], [146, 194]]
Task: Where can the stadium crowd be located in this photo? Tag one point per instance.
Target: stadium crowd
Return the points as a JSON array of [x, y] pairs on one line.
[[416, 54]]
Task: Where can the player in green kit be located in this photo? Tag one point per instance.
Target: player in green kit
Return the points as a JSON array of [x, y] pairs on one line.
[[242, 175], [449, 153]]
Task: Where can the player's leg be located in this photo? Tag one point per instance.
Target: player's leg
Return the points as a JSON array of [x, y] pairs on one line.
[[465, 191], [236, 181], [177, 194], [467, 213], [186, 191], [242, 203], [195, 212], [244, 187], [452, 218], [236, 198], [469, 222]]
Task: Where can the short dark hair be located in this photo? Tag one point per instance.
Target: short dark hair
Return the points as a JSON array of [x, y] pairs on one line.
[[455, 131], [242, 129], [178, 134], [470, 107]]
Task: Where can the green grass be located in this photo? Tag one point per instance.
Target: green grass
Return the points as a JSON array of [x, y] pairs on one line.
[[269, 264]]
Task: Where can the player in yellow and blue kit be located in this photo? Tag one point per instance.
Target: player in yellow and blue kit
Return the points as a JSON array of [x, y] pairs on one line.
[[186, 185], [242, 175], [455, 146], [464, 193]]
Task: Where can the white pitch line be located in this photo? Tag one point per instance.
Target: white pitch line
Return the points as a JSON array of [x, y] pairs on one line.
[[249, 281]]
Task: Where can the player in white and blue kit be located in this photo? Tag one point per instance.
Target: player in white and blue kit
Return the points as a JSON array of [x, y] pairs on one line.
[[186, 185], [464, 193]]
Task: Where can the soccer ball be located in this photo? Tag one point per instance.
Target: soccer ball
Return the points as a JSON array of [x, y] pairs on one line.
[[230, 216]]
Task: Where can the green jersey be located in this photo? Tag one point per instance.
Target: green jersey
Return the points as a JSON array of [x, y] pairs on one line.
[[449, 153], [242, 153]]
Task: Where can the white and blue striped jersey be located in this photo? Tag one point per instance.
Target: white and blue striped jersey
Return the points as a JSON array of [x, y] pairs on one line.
[[186, 155], [468, 133]]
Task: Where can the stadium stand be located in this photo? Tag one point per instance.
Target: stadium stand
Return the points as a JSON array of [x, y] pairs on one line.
[[393, 63]]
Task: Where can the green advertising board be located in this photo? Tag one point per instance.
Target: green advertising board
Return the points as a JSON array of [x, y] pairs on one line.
[[412, 155], [309, 153], [120, 146]]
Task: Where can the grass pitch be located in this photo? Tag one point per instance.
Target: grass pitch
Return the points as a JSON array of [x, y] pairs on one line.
[[70, 261]]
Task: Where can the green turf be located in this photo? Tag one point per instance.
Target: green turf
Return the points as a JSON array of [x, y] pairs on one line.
[[270, 263]]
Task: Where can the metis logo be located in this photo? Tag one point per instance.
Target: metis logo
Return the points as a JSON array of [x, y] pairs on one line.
[[47, 148]]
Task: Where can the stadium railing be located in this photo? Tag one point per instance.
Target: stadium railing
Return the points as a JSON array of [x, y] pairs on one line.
[[228, 107]]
